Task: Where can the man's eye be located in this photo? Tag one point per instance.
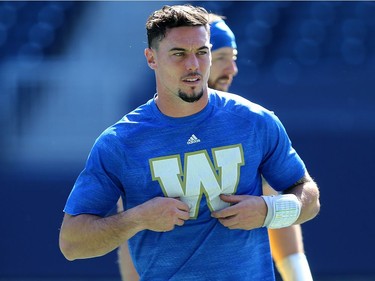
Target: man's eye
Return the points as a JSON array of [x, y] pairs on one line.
[[202, 53], [180, 54]]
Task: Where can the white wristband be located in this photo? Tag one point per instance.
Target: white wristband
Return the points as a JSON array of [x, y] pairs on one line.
[[295, 268], [283, 210]]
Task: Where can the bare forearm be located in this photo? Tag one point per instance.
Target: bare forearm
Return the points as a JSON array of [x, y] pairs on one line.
[[87, 236], [285, 241], [127, 269], [308, 194]]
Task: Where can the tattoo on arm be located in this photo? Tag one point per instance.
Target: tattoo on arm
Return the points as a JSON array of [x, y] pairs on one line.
[[302, 180]]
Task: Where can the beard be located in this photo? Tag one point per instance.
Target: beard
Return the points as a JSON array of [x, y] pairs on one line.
[[215, 84], [190, 98]]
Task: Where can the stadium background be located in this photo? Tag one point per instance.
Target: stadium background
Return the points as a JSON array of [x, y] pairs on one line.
[[70, 69]]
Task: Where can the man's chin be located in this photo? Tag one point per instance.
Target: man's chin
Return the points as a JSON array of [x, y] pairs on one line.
[[222, 88], [190, 98]]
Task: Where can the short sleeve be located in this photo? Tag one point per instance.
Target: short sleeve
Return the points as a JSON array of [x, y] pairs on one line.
[[98, 187], [281, 166]]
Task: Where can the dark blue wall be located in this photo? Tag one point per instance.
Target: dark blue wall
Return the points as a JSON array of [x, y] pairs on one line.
[[323, 91]]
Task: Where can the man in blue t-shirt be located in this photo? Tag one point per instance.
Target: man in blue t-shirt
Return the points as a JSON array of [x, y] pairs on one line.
[[188, 166], [286, 243]]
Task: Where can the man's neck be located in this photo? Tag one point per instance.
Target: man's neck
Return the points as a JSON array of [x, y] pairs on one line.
[[176, 107]]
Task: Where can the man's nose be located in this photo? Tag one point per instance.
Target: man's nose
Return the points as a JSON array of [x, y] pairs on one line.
[[233, 68], [192, 62]]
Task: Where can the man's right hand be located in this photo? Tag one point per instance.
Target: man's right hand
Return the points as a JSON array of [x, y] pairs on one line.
[[162, 214]]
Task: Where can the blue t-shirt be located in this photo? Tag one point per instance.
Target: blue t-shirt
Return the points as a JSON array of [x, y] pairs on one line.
[[225, 148]]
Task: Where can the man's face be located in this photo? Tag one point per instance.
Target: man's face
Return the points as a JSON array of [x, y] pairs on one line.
[[223, 68], [182, 63]]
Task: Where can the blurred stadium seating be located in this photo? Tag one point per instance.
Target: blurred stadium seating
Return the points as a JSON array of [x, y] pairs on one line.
[[68, 69], [36, 29]]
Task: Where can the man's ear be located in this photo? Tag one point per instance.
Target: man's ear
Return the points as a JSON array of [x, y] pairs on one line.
[[149, 54]]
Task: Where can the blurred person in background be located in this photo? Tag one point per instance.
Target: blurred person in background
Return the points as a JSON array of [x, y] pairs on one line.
[[188, 166], [286, 243]]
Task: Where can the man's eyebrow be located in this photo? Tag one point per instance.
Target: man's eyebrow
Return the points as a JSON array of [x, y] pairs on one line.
[[177, 49], [203, 48], [183, 50], [223, 52], [226, 54]]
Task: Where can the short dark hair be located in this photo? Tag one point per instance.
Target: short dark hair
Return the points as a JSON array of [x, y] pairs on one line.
[[215, 17], [174, 16]]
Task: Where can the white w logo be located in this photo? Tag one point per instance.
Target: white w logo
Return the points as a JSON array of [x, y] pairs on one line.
[[200, 176]]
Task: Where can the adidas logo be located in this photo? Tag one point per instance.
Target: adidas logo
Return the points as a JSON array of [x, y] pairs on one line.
[[193, 139]]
